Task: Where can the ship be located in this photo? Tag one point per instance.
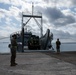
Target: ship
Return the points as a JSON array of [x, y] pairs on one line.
[[28, 41]]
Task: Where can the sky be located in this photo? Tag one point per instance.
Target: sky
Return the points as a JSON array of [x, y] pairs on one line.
[[58, 15]]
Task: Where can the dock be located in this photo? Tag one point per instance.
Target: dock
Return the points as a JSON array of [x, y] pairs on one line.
[[38, 63]]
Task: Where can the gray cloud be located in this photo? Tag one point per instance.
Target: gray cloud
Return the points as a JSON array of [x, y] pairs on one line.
[[56, 17], [47, 1], [53, 13], [65, 20], [61, 34], [73, 2]]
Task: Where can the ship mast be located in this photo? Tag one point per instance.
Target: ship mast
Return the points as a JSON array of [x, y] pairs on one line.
[[32, 8]]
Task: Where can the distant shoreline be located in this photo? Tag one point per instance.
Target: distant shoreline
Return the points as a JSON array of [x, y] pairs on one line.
[[5, 53], [67, 43]]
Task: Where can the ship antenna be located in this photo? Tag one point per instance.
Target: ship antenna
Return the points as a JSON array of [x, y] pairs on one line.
[[32, 8]]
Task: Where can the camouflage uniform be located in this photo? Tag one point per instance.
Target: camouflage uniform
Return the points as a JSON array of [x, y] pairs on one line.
[[13, 50]]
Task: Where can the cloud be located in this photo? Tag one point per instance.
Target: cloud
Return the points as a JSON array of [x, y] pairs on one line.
[[12, 2], [5, 1], [61, 3], [63, 36], [53, 13], [7, 30], [65, 21], [60, 34], [73, 2], [10, 20], [2, 13], [13, 11], [58, 16]]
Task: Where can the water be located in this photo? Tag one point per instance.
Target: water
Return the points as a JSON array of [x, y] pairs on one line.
[[64, 46], [4, 45]]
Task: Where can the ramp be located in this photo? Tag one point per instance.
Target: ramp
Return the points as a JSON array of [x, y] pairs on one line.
[[46, 39]]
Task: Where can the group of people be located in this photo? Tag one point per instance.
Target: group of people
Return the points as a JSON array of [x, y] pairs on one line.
[[13, 49]]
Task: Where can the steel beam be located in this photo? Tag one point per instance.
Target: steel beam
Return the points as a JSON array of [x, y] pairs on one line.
[[34, 16]]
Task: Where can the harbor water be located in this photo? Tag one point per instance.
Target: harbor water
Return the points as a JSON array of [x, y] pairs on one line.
[[4, 45], [64, 47]]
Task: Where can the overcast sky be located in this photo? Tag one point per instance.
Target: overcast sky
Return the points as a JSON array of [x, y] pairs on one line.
[[58, 15]]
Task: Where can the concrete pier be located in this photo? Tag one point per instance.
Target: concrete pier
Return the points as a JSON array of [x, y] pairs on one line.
[[35, 63]]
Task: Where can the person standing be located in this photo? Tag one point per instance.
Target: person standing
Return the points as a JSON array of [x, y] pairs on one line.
[[13, 50], [58, 43]]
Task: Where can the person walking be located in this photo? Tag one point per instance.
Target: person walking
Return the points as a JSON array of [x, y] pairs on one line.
[[58, 43], [13, 50]]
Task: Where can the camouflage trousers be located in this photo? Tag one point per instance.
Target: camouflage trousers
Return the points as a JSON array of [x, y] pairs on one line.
[[13, 55]]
